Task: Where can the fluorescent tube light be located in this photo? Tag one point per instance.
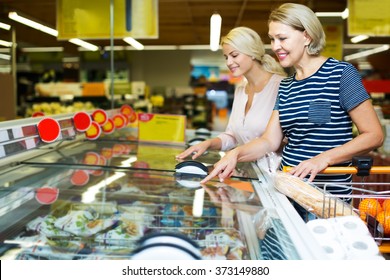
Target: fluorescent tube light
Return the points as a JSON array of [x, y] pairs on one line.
[[5, 43], [161, 47], [5, 26], [366, 53], [215, 31], [194, 47], [73, 59], [134, 43], [359, 38], [50, 31], [43, 49], [84, 44], [344, 14], [33, 24], [5, 56]]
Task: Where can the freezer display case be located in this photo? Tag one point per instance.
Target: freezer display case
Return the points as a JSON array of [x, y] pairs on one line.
[[80, 199]]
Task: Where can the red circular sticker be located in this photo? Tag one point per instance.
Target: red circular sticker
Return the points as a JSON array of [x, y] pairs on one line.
[[127, 110], [127, 119], [79, 178], [102, 162], [108, 127], [118, 149], [91, 158], [94, 131], [127, 149], [100, 116], [133, 118], [46, 195], [82, 121], [119, 121], [38, 114], [49, 130], [107, 153], [141, 165]]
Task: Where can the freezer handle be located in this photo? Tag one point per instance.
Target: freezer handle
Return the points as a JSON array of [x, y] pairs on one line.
[[348, 170]]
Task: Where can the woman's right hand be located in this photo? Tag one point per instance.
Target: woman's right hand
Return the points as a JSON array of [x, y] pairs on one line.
[[195, 150], [224, 168]]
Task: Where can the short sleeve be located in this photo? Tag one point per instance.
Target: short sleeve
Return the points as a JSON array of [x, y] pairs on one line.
[[352, 91], [276, 107]]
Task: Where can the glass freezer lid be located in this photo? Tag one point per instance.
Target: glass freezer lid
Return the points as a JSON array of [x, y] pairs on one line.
[[57, 213], [132, 155]]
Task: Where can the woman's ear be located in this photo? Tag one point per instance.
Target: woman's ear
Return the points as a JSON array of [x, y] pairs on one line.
[[307, 38]]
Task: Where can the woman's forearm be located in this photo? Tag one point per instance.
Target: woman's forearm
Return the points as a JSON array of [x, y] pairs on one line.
[[254, 150], [215, 143], [360, 145]]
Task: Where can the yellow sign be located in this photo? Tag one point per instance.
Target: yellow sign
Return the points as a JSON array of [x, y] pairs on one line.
[[92, 19], [334, 41], [158, 156], [168, 129], [369, 17]]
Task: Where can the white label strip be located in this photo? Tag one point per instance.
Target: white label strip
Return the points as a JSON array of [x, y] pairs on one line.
[[2, 152], [17, 132], [30, 143], [4, 135]]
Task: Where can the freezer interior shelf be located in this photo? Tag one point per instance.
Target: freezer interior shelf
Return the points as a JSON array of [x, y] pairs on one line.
[[106, 216], [84, 233]]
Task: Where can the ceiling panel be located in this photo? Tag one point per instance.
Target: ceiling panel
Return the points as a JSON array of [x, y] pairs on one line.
[[181, 22]]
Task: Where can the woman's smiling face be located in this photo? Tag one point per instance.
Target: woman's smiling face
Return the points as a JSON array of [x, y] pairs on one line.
[[237, 62], [287, 43]]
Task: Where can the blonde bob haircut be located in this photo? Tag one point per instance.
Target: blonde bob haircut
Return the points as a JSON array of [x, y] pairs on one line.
[[247, 41], [301, 18]]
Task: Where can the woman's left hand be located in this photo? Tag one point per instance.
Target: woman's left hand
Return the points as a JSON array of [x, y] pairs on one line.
[[310, 167]]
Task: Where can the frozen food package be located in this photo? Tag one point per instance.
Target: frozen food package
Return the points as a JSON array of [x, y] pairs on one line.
[[312, 198]]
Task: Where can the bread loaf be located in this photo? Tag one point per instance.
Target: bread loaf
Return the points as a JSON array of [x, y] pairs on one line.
[[310, 197]]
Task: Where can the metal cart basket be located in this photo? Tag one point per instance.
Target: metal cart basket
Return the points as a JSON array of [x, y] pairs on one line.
[[377, 191]]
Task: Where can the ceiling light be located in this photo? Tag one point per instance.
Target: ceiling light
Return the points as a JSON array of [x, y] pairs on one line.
[[84, 44], [344, 14], [131, 41], [33, 24], [114, 48], [50, 31], [366, 53], [43, 49], [194, 47], [215, 31], [5, 43], [71, 59], [359, 38], [161, 47], [5, 56], [5, 26]]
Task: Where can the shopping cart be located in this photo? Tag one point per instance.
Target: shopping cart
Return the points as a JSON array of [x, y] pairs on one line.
[[361, 189]]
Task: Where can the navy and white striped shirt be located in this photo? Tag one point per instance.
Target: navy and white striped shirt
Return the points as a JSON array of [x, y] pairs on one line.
[[314, 114]]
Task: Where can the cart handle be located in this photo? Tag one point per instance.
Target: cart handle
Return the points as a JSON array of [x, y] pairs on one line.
[[348, 170]]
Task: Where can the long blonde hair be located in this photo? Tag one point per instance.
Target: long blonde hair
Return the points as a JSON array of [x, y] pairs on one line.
[[248, 41]]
